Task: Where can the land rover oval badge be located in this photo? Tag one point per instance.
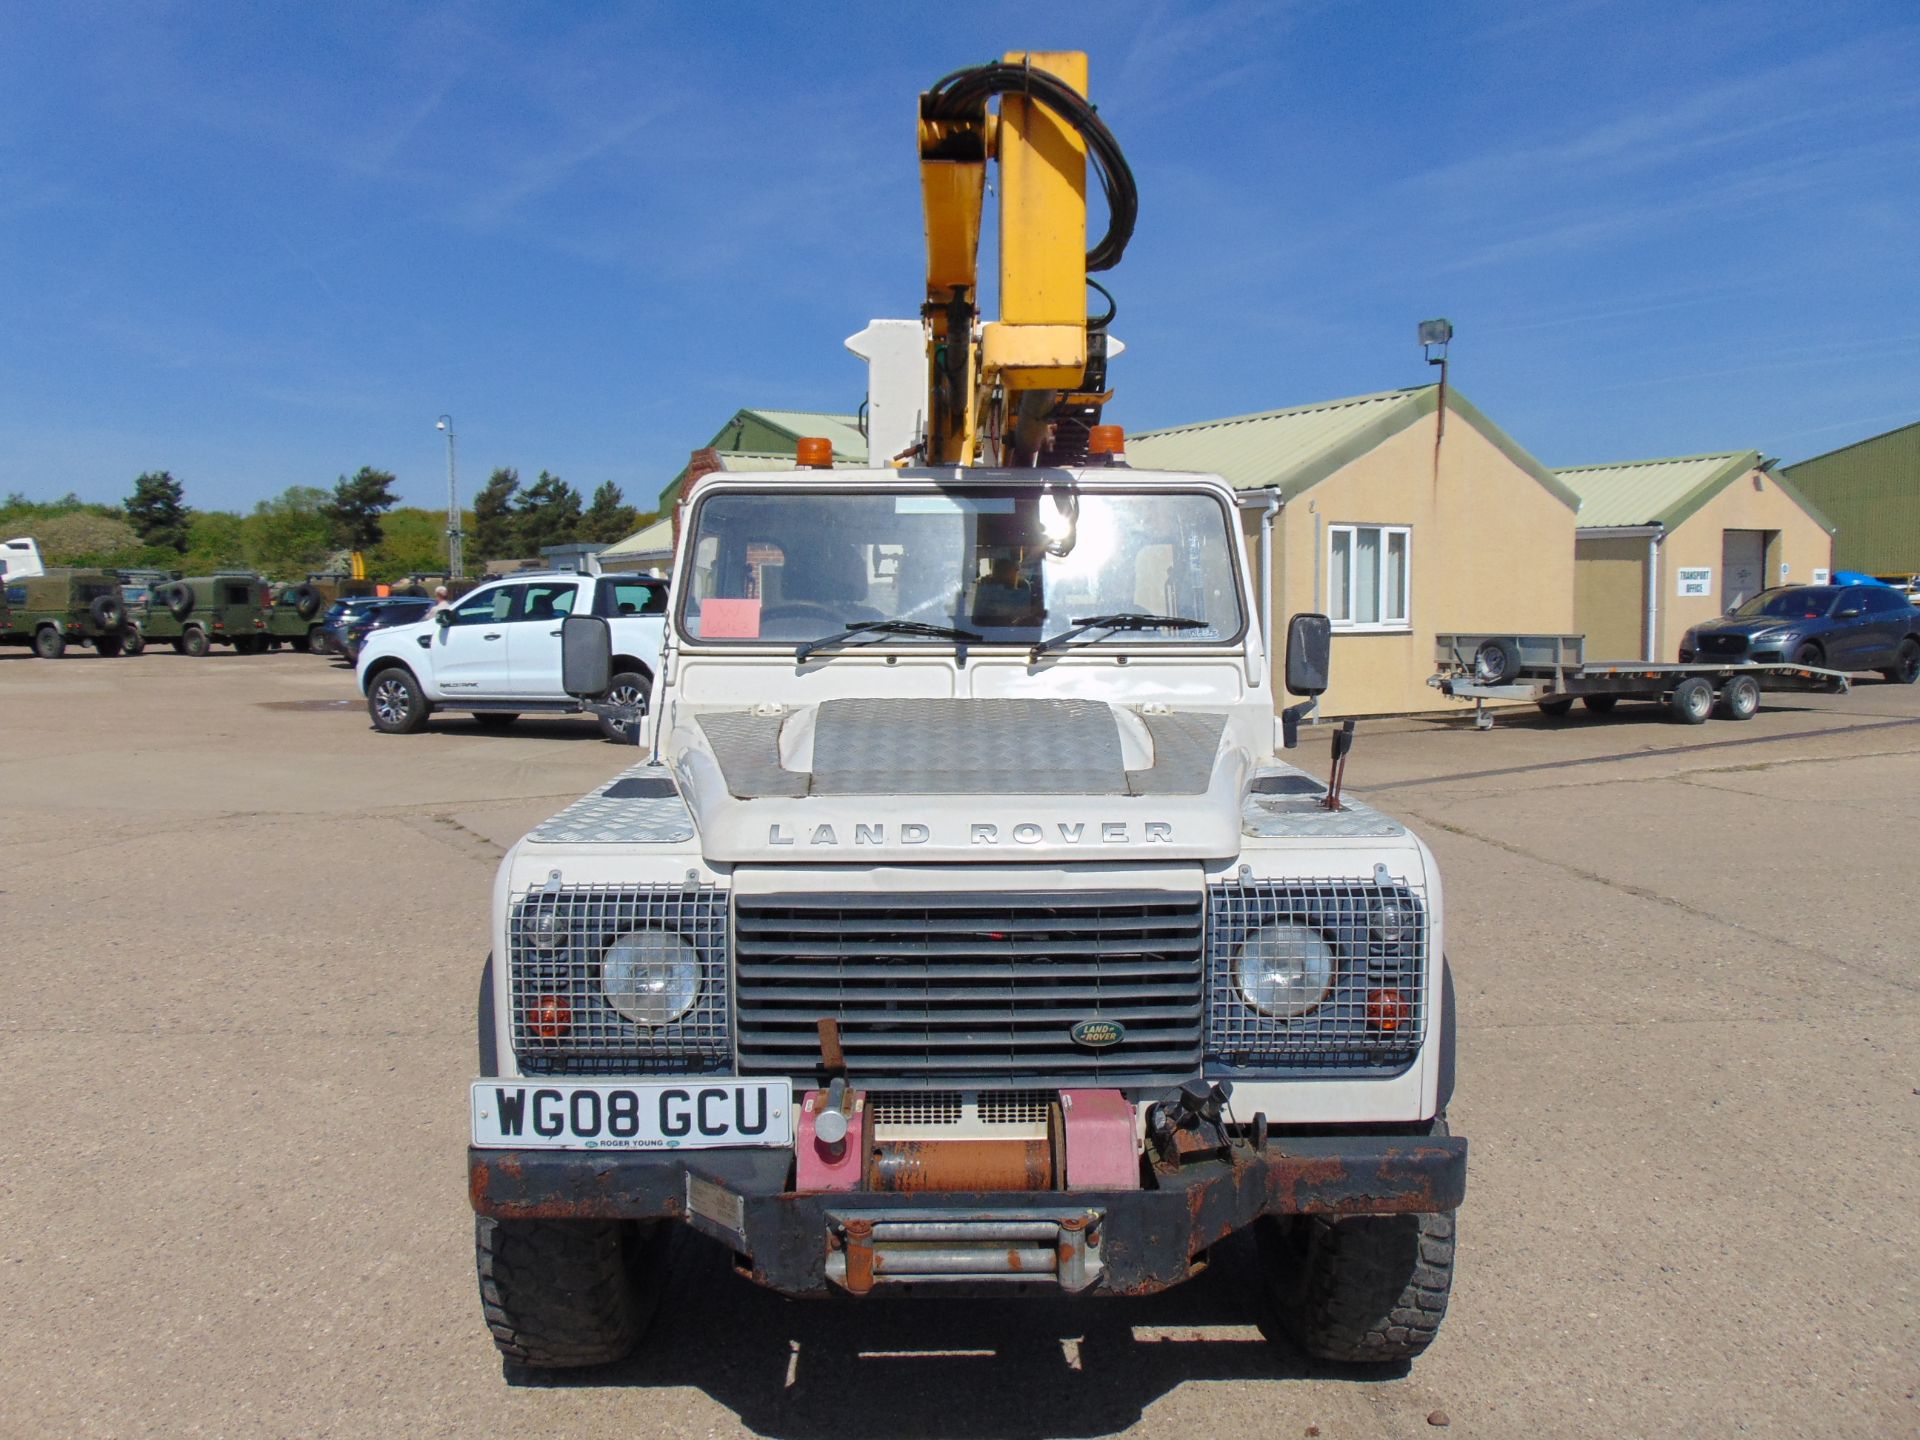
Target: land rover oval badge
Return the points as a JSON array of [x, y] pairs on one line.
[[1098, 1034]]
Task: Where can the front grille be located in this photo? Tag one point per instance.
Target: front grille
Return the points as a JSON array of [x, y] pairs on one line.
[[562, 1023], [970, 990], [1368, 958], [1720, 644]]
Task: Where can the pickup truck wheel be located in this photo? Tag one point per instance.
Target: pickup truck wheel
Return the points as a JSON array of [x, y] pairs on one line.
[[49, 643], [564, 1293], [1557, 707], [395, 703], [195, 643], [493, 719], [1692, 700], [1906, 663], [629, 687], [1496, 662], [1740, 698], [1367, 1289], [1600, 704]]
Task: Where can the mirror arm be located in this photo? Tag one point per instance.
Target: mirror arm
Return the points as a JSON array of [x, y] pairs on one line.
[[1290, 719]]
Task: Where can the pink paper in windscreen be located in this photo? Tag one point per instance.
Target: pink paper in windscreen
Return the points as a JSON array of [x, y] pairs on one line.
[[730, 619]]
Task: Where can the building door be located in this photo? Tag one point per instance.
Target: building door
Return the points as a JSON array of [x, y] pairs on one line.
[[1743, 566]]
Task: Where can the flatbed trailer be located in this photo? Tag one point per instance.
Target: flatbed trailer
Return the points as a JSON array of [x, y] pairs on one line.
[[1553, 672]]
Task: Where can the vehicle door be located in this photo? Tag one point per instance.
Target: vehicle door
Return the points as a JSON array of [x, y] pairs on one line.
[[1883, 625], [637, 609], [534, 637], [470, 651]]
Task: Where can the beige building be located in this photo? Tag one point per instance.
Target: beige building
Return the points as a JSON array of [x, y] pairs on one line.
[[1665, 544], [1398, 521]]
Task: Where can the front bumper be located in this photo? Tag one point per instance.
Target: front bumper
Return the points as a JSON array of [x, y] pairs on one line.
[[1125, 1242]]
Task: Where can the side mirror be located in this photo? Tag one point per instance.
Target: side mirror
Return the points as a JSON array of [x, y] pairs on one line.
[[1852, 614], [443, 618], [1309, 652], [586, 656]]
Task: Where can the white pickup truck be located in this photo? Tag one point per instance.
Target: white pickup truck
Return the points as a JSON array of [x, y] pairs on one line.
[[495, 653]]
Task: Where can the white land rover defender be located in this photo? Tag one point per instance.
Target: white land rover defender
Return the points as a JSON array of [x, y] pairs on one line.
[[495, 652], [964, 931]]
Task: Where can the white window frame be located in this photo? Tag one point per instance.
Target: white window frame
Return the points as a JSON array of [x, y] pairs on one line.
[[1401, 626]]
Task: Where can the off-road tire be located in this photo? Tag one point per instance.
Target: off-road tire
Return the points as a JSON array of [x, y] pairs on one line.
[[106, 645], [307, 601], [1740, 698], [1600, 704], [1556, 707], [623, 681], [1692, 700], [109, 612], [396, 703], [494, 719], [1906, 664], [245, 645], [132, 642], [565, 1293], [301, 643], [49, 643], [179, 645], [177, 598], [1368, 1289], [194, 642]]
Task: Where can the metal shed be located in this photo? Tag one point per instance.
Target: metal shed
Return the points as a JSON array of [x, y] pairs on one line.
[[1871, 491]]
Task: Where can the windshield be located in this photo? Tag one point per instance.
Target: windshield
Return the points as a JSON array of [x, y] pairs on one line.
[[1012, 565], [1809, 602]]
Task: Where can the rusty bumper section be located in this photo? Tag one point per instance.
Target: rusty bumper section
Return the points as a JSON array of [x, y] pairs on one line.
[[1138, 1241]]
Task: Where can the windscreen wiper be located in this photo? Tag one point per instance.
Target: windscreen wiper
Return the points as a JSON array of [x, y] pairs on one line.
[[1124, 620], [876, 628]]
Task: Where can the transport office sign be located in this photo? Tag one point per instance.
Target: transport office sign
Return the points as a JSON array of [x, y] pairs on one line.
[[1696, 580]]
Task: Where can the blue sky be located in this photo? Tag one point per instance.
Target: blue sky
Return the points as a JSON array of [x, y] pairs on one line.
[[265, 245]]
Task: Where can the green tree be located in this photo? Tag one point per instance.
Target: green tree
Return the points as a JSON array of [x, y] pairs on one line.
[[158, 512], [359, 501], [494, 533], [548, 514], [415, 543], [290, 535], [85, 538], [609, 517], [216, 540]]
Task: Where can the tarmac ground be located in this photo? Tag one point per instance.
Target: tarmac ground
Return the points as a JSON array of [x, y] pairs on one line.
[[240, 934]]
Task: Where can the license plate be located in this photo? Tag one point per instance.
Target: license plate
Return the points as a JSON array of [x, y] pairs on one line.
[[627, 1115]]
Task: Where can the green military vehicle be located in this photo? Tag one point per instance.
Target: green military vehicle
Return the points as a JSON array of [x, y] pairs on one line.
[[299, 610], [196, 613], [62, 607]]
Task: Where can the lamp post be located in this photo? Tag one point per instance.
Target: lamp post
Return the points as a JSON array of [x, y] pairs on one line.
[[454, 533]]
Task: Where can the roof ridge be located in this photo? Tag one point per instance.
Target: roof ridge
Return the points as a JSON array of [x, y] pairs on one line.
[[1657, 460], [1344, 401]]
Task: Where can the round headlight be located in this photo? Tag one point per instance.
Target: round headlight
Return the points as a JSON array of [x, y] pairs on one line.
[[1393, 921], [651, 977], [1284, 970]]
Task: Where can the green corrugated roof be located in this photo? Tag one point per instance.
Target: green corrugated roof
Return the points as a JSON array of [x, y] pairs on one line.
[[842, 430], [655, 539], [1667, 491], [1292, 450]]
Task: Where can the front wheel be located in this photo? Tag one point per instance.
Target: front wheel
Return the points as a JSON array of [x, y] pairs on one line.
[[1906, 663], [132, 642], [1692, 700], [1366, 1289], [1810, 655], [629, 687], [49, 643], [395, 703], [565, 1293]]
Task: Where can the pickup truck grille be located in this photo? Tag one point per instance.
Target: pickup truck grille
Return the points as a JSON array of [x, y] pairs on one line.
[[1377, 931], [960, 990]]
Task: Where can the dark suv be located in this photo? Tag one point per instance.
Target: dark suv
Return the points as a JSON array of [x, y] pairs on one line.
[[378, 616], [1833, 627]]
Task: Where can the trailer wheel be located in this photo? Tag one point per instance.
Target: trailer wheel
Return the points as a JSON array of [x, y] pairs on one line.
[[1600, 704], [1557, 706], [1692, 700], [1496, 662], [1740, 698]]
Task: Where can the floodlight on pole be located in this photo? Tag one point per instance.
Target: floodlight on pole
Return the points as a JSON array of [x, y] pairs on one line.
[[1435, 336], [454, 533]]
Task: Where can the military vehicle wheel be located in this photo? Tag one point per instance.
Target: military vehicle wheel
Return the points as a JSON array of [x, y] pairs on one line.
[[1692, 700], [177, 597], [194, 642], [395, 702], [306, 601], [1366, 1289], [179, 645], [629, 687], [564, 1293], [49, 643], [494, 719], [132, 642], [109, 612], [302, 643], [106, 645]]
